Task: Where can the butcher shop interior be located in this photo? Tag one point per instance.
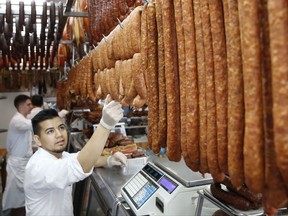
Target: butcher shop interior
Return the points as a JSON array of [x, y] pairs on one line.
[[203, 86]]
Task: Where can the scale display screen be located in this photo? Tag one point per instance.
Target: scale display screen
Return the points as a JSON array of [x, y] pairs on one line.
[[168, 184], [140, 189], [155, 174]]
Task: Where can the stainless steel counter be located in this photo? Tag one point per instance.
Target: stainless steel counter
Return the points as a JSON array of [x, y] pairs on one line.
[[108, 183]]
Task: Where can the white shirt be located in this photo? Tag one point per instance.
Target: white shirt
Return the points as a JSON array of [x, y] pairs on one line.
[[19, 149], [48, 183], [19, 138], [34, 112]]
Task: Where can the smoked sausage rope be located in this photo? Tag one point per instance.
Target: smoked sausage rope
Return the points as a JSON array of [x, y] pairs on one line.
[[90, 78], [243, 191], [144, 43], [153, 99], [201, 71], [212, 156], [232, 198], [235, 96], [138, 76], [253, 136], [191, 88], [162, 124], [182, 78], [278, 24], [274, 194], [172, 82], [220, 72]]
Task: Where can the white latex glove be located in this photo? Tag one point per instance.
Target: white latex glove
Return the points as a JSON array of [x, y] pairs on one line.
[[63, 113], [117, 159], [111, 114]]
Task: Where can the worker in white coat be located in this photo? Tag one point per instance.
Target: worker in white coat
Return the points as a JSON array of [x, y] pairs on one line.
[[51, 171], [19, 150], [38, 105]]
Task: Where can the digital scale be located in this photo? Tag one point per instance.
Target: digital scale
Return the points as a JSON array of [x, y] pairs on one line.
[[159, 190]]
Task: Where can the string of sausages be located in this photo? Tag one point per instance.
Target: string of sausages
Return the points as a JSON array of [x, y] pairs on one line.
[[215, 78]]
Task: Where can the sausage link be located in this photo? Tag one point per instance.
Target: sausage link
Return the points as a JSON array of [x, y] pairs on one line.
[[162, 124], [172, 82], [201, 88], [278, 23], [153, 99], [220, 72], [191, 88], [253, 137], [235, 97], [182, 78], [231, 198], [212, 156], [273, 192]]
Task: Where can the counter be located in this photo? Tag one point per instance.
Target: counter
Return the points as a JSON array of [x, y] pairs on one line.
[[107, 184], [102, 190]]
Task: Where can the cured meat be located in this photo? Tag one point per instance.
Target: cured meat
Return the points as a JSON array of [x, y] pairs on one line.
[[131, 94], [220, 75], [121, 80], [138, 76], [172, 82], [114, 81], [275, 196], [191, 88], [135, 29], [162, 124], [201, 88], [152, 85], [235, 97], [278, 23], [212, 156], [243, 191], [144, 43], [89, 78], [232, 198], [253, 136], [182, 77]]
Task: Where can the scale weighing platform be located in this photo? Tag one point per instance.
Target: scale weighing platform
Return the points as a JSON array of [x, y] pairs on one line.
[[161, 189]]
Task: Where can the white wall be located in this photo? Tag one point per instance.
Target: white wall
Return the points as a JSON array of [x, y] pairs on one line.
[[7, 110]]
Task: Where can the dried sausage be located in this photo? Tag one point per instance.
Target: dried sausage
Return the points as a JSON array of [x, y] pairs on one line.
[[191, 88], [162, 124], [138, 76], [201, 88], [182, 77], [278, 20], [273, 192], [253, 137], [232, 198], [172, 82], [212, 156], [220, 71], [153, 99], [235, 97]]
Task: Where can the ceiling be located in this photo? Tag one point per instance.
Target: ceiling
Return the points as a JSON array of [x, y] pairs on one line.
[[30, 32]]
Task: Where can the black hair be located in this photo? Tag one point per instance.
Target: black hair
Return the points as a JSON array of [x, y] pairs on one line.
[[20, 99], [37, 100], [42, 116]]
